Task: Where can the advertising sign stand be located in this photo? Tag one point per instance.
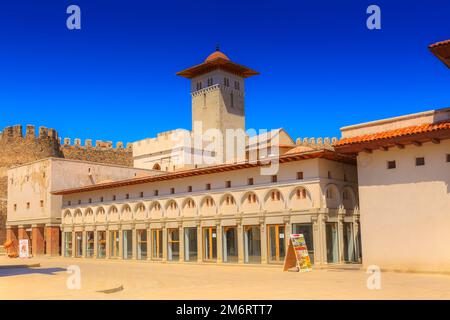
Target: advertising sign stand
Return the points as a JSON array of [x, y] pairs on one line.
[[297, 254]]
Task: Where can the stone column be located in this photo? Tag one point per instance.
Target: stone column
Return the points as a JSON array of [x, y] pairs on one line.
[[219, 242], [95, 242], [63, 242], [83, 243], [134, 243], [358, 245], [22, 233], [341, 236], [199, 242], [240, 238], [164, 242], [74, 240], [149, 242], [12, 235], [38, 246], [287, 231], [262, 228], [181, 235], [52, 235], [108, 243], [120, 231]]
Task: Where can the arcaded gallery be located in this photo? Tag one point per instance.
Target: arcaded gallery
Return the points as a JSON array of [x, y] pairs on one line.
[[219, 214]]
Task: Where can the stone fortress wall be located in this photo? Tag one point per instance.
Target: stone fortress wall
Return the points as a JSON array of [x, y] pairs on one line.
[[17, 148]]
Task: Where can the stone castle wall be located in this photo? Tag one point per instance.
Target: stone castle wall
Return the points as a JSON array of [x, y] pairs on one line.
[[17, 148]]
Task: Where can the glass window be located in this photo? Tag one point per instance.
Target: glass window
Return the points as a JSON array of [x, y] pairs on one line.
[[141, 244], [127, 244], [114, 244], [332, 242], [252, 244], [101, 244], [276, 243], [230, 245], [78, 244], [307, 231], [67, 244], [173, 244], [190, 244], [210, 244], [89, 244], [157, 249]]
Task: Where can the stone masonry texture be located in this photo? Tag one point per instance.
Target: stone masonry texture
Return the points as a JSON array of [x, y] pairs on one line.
[[17, 147]]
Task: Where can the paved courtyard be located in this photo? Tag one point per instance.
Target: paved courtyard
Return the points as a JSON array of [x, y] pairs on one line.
[[144, 280]]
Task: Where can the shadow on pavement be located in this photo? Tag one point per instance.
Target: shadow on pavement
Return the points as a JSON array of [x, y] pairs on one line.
[[8, 272]]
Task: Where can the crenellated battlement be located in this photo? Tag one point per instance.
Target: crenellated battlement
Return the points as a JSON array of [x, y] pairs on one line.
[[99, 144], [16, 132], [316, 143], [20, 146]]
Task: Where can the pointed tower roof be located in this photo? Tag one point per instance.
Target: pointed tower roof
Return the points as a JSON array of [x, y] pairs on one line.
[[217, 60]]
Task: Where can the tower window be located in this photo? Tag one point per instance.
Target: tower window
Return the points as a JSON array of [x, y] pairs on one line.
[[208, 186], [172, 190], [142, 194], [226, 82], [420, 161], [189, 189], [237, 85], [228, 184], [329, 174], [448, 157], [210, 82], [232, 99], [274, 178], [155, 193], [199, 85], [391, 164], [250, 181], [300, 175]]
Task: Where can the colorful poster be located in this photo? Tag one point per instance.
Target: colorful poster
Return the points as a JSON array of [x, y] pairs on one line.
[[297, 254], [23, 249]]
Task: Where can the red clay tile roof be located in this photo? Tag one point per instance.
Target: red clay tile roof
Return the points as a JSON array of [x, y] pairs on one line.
[[323, 154], [407, 131], [405, 135], [440, 43], [215, 55]]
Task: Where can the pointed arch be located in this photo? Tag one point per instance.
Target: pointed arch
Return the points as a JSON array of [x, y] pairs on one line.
[[349, 198]]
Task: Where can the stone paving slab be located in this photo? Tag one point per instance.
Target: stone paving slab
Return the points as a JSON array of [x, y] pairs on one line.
[[101, 279]]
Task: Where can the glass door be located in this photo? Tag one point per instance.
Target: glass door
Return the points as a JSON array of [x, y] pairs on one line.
[[78, 244], [307, 231], [332, 242], [276, 243], [127, 244], [190, 244], [89, 244], [210, 244], [230, 245], [157, 249], [252, 244], [101, 244], [67, 244], [114, 251], [142, 244], [349, 243], [173, 242]]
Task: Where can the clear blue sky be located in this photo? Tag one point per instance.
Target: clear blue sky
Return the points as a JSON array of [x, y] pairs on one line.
[[321, 68]]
